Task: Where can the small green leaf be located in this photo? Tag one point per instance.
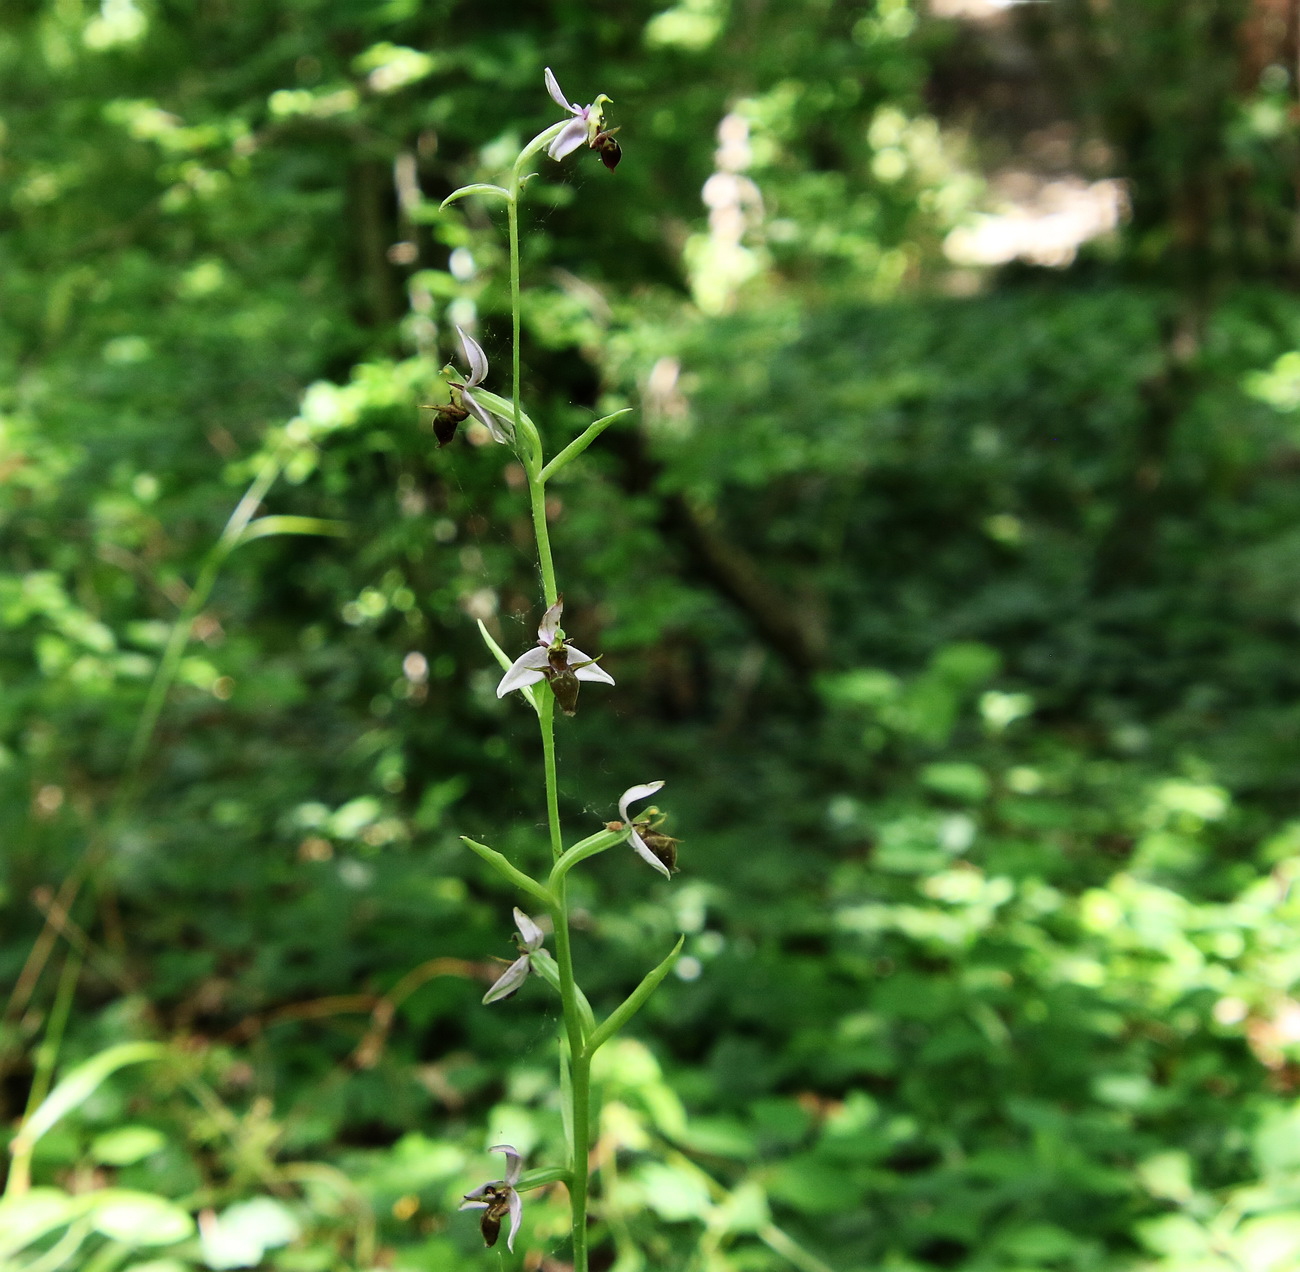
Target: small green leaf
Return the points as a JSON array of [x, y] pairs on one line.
[[283, 524], [126, 1145], [479, 187], [580, 443], [632, 1003], [139, 1218], [503, 867]]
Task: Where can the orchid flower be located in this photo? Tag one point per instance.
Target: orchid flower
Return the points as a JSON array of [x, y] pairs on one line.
[[502, 429], [554, 660], [529, 939], [498, 1199], [650, 845], [587, 127]]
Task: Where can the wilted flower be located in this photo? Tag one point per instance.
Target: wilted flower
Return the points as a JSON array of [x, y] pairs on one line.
[[498, 1199], [554, 660], [448, 417], [529, 938], [587, 127], [657, 849]]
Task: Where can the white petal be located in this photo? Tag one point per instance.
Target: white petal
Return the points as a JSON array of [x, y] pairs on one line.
[[634, 795], [553, 87], [573, 136], [646, 855], [513, 1161], [501, 430], [508, 981], [474, 1205], [531, 934], [516, 1215], [525, 670], [551, 622], [587, 668], [474, 355]]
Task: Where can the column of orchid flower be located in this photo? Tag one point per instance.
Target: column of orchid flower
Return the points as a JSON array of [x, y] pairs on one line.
[[550, 673]]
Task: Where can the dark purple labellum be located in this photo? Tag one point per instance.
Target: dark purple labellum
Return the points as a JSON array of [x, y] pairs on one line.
[[564, 684], [607, 148], [498, 1208], [446, 419]]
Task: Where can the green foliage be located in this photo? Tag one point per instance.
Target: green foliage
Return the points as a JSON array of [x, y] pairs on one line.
[[962, 628]]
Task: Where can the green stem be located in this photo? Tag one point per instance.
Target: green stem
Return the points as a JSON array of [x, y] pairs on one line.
[[579, 1064], [512, 216]]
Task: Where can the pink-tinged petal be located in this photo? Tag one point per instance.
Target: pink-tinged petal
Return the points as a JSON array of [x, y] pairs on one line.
[[514, 1163], [646, 855], [508, 981], [475, 357], [516, 1217], [634, 795], [550, 624], [531, 935], [500, 429], [572, 137], [553, 87], [525, 670], [471, 1201]]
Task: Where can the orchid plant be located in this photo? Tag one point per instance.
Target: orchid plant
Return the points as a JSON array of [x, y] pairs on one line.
[[545, 675]]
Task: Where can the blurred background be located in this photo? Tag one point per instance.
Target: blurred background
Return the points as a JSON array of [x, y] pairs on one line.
[[949, 568]]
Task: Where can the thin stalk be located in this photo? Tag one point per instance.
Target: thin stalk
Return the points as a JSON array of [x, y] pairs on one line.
[[512, 216], [20, 1168], [581, 1149], [579, 1065], [537, 496]]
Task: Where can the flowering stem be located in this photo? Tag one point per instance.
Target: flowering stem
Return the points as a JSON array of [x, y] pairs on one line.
[[579, 1064]]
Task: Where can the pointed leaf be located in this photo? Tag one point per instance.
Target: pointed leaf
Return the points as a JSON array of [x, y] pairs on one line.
[[632, 1003], [510, 872], [282, 524], [581, 442], [479, 187]]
